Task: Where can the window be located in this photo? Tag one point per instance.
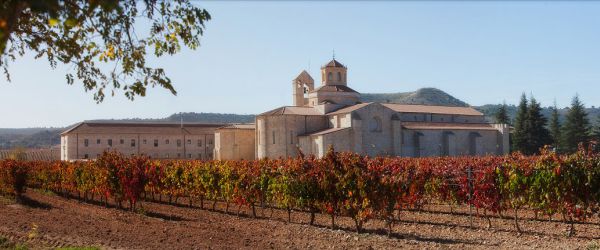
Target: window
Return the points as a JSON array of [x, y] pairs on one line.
[[291, 137], [189, 141], [329, 76], [402, 138], [86, 142], [178, 155], [199, 143], [190, 156], [86, 156], [155, 143], [110, 142], [178, 143], [167, 155], [132, 142], [167, 141], [199, 156], [375, 124], [97, 141], [339, 76], [144, 141], [442, 119], [273, 137], [210, 156], [122, 141]]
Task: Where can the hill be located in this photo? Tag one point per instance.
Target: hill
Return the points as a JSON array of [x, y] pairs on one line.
[[426, 96], [210, 117], [43, 138]]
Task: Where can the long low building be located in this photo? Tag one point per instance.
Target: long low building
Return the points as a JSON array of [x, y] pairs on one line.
[[159, 140]]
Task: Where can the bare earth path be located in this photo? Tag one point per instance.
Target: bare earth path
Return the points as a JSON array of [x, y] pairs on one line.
[[50, 221]]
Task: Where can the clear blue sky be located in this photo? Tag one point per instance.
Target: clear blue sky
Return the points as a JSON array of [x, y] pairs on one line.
[[478, 51]]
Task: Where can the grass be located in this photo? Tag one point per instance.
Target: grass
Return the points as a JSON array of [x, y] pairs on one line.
[[5, 200], [593, 246], [6, 244], [43, 191]]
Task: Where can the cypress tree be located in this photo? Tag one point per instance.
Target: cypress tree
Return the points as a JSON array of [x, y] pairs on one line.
[[555, 128], [536, 133], [502, 114], [519, 140], [596, 134], [576, 128]]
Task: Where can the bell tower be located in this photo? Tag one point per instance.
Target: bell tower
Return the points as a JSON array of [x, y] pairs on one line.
[[333, 73], [303, 84]]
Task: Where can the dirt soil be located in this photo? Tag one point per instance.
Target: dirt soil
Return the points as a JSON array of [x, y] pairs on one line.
[[50, 221]]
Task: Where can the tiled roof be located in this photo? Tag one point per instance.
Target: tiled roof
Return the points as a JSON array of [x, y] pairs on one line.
[[304, 76], [239, 126], [349, 108], [334, 88], [292, 110], [326, 131], [132, 126], [334, 63], [445, 125], [413, 108]]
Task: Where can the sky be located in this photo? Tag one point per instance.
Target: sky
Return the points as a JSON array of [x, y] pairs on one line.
[[482, 52]]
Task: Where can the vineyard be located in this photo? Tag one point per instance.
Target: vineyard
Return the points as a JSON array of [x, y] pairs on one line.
[[339, 184]]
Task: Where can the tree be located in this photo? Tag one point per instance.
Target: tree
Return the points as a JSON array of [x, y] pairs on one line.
[[555, 127], [596, 133], [519, 139], [99, 40], [576, 128], [536, 134], [501, 115]]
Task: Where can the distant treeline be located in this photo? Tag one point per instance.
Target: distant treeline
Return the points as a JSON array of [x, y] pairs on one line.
[[491, 109]]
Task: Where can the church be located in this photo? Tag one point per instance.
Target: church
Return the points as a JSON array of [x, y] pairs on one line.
[[333, 115]]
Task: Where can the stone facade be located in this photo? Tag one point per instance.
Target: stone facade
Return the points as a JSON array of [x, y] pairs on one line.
[[235, 142], [161, 140], [331, 115]]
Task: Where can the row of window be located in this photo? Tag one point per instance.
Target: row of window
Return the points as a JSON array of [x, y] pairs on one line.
[[167, 155], [86, 142]]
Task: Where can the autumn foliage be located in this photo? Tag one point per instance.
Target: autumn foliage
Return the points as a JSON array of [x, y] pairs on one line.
[[339, 184]]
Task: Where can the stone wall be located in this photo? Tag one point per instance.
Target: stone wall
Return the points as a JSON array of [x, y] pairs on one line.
[[278, 135], [422, 143], [88, 142], [234, 144]]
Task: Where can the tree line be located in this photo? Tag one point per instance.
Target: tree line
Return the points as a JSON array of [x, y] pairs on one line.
[[532, 130]]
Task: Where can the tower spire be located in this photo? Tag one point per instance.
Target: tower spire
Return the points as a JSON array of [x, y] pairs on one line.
[[333, 54]]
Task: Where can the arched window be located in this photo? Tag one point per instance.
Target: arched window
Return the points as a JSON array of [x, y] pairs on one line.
[[375, 124], [339, 76], [329, 76]]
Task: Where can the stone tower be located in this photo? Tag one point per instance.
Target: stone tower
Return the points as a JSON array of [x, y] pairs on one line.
[[333, 73], [303, 84]]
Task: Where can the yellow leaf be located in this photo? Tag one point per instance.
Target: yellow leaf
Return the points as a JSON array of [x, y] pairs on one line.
[[52, 22]]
